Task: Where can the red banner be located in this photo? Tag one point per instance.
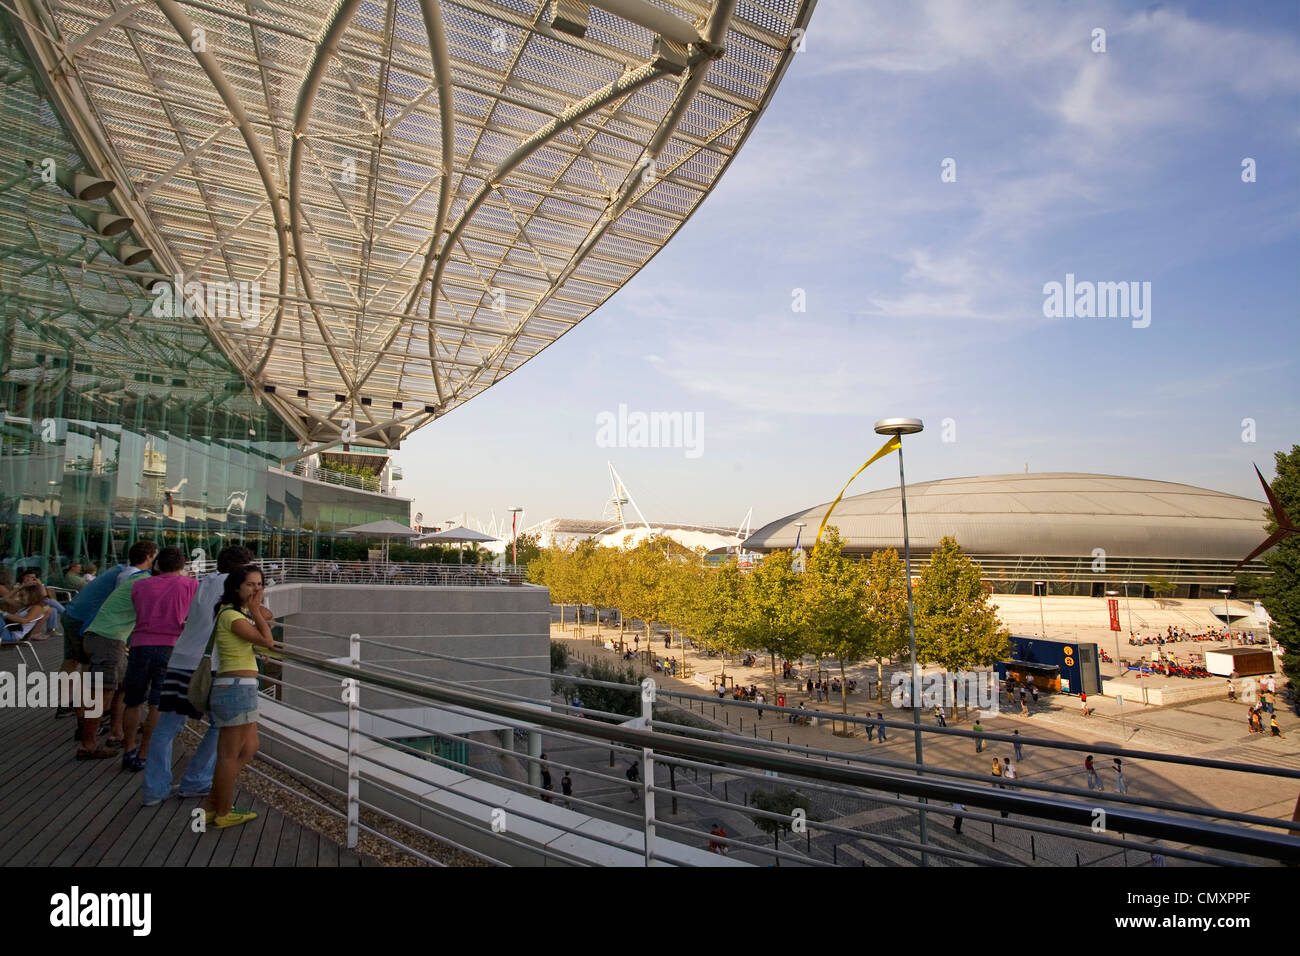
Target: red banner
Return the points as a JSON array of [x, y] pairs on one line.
[[1114, 613]]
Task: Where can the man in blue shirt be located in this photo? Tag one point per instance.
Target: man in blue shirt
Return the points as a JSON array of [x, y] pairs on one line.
[[83, 608]]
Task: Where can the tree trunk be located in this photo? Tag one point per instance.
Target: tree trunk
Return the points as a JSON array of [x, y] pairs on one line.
[[772, 654], [880, 678], [561, 615], [844, 695]]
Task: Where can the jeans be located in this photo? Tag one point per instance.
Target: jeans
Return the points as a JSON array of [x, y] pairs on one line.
[[158, 765]]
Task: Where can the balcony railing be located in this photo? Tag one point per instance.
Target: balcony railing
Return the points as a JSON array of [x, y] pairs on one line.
[[390, 573], [475, 805], [331, 477]]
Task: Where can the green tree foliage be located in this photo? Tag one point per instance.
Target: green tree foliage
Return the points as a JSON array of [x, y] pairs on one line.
[[835, 600], [526, 546], [772, 618], [1280, 591], [1160, 586], [627, 703], [784, 802], [886, 608], [645, 575], [955, 625]]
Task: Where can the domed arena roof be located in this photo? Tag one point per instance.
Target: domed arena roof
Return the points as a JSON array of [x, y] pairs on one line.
[[1061, 514]]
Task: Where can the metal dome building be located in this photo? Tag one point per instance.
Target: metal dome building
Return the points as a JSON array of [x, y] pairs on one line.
[[1080, 533]]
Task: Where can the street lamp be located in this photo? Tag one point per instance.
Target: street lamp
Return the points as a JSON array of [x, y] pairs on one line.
[[1226, 620], [898, 427], [1118, 672], [514, 536], [1128, 608], [1040, 588], [799, 534]]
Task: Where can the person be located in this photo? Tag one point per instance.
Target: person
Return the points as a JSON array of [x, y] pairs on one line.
[[1018, 746], [1232, 690], [91, 572], [1094, 781], [1008, 774], [979, 738], [1024, 703], [1011, 690], [104, 642], [956, 817], [760, 700], [881, 718], [174, 705], [74, 580], [634, 777], [546, 781], [242, 622], [810, 685], [161, 605], [871, 729], [566, 788], [50, 622], [80, 609], [1121, 785], [1083, 703], [1033, 693], [714, 845], [939, 717], [1272, 725], [31, 613], [997, 773]]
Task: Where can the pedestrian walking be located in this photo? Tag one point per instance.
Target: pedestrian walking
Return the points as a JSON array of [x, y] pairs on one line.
[[871, 730], [1024, 704], [546, 781], [1272, 724], [714, 846], [1033, 693], [997, 772], [979, 736], [1232, 690], [956, 817], [1011, 691], [881, 718], [634, 777], [1094, 781], [1121, 785], [566, 788], [1008, 774], [940, 717], [1018, 746], [1083, 704]]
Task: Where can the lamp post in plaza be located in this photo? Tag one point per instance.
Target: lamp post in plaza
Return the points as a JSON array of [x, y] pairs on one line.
[[514, 536], [1118, 672], [898, 427], [1227, 628], [1040, 588], [1128, 608]]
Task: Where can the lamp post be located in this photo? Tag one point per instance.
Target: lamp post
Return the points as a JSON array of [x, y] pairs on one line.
[[798, 554], [1227, 628], [1128, 608], [898, 427], [1040, 588], [514, 536], [1118, 672]]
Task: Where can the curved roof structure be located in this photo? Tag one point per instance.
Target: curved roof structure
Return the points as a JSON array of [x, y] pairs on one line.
[[424, 194], [1064, 514]]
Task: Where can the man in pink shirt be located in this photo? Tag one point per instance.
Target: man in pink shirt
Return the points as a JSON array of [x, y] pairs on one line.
[[161, 604]]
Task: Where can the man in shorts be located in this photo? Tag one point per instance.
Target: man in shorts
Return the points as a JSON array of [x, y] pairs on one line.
[[161, 604], [104, 641]]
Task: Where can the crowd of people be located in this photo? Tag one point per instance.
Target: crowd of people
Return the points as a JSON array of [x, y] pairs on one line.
[[144, 628]]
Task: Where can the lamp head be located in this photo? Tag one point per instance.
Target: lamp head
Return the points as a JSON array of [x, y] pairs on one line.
[[899, 426]]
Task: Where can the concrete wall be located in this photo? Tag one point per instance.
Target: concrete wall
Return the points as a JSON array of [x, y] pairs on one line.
[[503, 625]]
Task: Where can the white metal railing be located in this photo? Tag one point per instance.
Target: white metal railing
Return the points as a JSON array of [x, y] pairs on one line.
[[329, 571], [329, 476]]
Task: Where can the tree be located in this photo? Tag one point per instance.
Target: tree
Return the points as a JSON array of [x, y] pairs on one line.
[[955, 626], [784, 802], [526, 547], [1280, 591], [771, 619], [886, 580], [835, 605], [643, 583], [1161, 587]]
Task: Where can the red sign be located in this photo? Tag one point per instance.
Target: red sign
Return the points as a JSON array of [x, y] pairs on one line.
[[1114, 613]]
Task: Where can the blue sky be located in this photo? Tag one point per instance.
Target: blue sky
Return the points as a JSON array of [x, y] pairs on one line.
[[925, 298]]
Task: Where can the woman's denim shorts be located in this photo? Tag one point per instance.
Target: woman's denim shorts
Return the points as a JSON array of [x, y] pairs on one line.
[[233, 705]]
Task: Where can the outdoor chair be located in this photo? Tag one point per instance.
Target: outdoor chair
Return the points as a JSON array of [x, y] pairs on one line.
[[14, 637]]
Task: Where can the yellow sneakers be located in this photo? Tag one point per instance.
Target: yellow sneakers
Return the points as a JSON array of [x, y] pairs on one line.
[[234, 818]]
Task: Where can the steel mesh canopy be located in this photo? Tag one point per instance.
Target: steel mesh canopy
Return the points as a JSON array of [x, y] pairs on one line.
[[425, 195]]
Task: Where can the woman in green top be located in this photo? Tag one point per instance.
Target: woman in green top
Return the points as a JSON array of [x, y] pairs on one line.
[[242, 622]]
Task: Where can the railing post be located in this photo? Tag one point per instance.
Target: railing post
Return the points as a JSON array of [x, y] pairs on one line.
[[647, 763], [354, 740]]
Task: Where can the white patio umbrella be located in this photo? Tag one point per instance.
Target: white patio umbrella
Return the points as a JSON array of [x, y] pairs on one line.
[[385, 529], [459, 534]]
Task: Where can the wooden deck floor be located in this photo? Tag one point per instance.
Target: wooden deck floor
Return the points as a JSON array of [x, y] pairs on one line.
[[59, 811]]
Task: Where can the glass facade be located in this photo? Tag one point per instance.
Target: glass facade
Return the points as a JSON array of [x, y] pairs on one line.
[[115, 422]]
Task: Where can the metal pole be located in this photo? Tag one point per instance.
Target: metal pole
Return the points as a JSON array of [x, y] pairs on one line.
[[647, 762], [1128, 609], [911, 634], [352, 694]]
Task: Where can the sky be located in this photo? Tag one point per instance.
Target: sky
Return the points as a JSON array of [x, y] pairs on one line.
[[924, 297]]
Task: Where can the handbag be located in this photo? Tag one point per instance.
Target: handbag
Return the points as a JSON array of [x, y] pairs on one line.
[[199, 690]]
